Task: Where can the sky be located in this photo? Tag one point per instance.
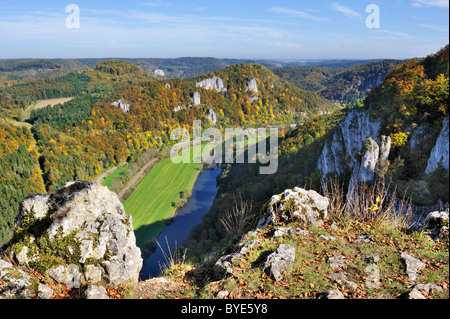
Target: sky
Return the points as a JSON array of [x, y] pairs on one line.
[[253, 29]]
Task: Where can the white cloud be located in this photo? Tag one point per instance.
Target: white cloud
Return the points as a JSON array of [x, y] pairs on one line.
[[157, 3], [295, 13], [431, 3], [384, 34], [347, 11], [434, 27]]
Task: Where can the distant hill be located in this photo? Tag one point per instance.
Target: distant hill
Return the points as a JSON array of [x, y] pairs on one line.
[[120, 110], [343, 83], [183, 67]]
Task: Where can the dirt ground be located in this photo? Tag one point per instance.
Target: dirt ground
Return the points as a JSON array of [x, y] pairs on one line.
[[155, 287], [52, 102]]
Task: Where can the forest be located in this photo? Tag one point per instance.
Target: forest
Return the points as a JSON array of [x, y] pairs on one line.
[[81, 138], [20, 174]]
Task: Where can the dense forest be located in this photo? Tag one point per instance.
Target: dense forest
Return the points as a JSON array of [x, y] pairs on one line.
[[83, 137], [20, 174]]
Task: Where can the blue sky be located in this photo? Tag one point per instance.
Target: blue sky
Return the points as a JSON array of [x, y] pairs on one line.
[[257, 29]]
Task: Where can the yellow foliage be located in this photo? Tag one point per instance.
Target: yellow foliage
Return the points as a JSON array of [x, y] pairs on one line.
[[399, 139]]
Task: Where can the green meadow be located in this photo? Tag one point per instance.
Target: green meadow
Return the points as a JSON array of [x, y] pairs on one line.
[[116, 174], [151, 204]]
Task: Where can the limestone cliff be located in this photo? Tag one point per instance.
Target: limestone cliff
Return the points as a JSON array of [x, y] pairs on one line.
[[214, 83], [196, 99], [440, 152], [80, 233], [252, 86], [356, 135], [210, 115]]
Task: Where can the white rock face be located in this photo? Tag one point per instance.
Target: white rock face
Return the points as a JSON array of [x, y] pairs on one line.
[[252, 85], [214, 83], [159, 72], [347, 142], [364, 171], [210, 115], [309, 207], [123, 106], [101, 234], [196, 99], [440, 152], [419, 135]]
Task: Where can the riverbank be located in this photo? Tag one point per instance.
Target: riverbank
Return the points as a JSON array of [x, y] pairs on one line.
[[174, 235], [152, 203]]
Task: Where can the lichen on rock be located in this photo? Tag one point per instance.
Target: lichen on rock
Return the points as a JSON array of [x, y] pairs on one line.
[[308, 207], [79, 233]]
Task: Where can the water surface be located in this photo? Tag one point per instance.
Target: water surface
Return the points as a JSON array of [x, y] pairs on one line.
[[203, 194]]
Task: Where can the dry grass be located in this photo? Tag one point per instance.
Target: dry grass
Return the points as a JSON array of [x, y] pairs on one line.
[[376, 204]]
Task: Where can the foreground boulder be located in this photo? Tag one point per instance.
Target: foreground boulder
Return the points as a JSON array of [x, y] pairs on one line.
[[280, 261], [308, 207], [80, 233], [436, 224]]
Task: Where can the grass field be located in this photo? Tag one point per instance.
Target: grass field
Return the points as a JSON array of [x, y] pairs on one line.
[[116, 174], [150, 205]]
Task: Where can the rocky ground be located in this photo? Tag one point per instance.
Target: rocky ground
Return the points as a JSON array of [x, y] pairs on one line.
[[295, 249], [324, 259]]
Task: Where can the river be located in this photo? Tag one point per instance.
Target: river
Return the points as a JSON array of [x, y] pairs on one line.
[[203, 194]]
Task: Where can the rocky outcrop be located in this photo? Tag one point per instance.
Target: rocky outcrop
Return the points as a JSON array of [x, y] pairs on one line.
[[80, 233], [196, 99], [435, 225], [420, 291], [252, 86], [94, 292], [419, 136], [210, 115], [280, 261], [364, 171], [440, 153], [373, 158], [348, 140], [18, 284], [330, 294], [123, 106], [159, 72], [214, 83], [308, 207], [413, 265]]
